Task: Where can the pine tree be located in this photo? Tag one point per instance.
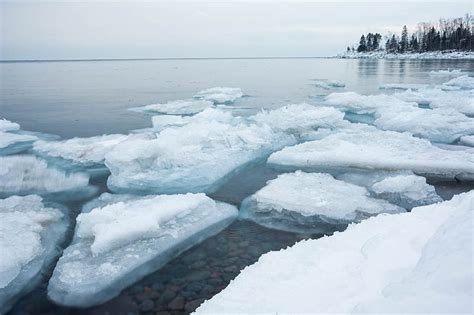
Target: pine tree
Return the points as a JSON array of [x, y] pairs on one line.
[[404, 40], [362, 44]]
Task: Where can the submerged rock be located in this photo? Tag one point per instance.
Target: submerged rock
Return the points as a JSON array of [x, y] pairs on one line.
[[311, 203], [30, 234], [119, 243]]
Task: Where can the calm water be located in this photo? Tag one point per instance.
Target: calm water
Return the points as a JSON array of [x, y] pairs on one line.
[[87, 98]]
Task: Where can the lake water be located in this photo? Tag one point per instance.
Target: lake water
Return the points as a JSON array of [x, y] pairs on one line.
[[86, 98]]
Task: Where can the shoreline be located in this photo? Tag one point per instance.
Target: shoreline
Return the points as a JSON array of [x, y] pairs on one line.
[[451, 55]]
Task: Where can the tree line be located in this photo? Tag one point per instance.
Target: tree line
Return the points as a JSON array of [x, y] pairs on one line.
[[448, 34]]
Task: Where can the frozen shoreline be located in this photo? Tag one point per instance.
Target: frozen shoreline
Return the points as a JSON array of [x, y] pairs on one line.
[[424, 55]]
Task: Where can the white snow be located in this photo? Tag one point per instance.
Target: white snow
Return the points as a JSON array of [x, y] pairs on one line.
[[467, 140], [119, 243], [369, 148], [195, 157], [418, 262], [381, 54], [81, 150], [23, 174], [178, 107], [220, 95], [29, 234], [306, 201]]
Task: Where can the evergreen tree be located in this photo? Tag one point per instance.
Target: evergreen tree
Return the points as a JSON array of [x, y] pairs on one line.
[[362, 44], [404, 40]]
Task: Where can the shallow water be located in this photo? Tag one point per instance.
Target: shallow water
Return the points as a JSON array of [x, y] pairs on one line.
[[91, 97]]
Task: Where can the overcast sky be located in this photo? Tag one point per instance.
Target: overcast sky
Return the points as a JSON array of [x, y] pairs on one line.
[[139, 29]]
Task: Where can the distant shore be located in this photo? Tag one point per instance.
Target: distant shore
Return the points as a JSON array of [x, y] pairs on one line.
[[425, 55]]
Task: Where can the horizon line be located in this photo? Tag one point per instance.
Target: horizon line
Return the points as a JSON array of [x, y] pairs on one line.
[[163, 58]]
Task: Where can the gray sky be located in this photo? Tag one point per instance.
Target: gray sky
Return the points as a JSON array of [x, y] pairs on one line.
[[139, 29]]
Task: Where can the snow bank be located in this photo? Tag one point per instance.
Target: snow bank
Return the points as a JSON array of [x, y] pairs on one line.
[[220, 95], [25, 175], [418, 262], [178, 107], [117, 244], [29, 235], [196, 157], [309, 202], [426, 55], [370, 148]]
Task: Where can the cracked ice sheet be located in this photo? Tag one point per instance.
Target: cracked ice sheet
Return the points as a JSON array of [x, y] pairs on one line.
[[128, 237], [417, 262]]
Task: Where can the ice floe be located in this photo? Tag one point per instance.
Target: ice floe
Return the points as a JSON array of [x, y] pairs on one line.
[[116, 244], [402, 188], [447, 73], [178, 107], [402, 86], [329, 84], [24, 175], [11, 143], [391, 113], [220, 95], [369, 148], [462, 82], [196, 157], [30, 233], [418, 262], [6, 125], [311, 203]]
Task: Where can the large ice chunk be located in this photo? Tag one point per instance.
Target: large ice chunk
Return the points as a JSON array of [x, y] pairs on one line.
[[6, 125], [23, 175], [117, 244], [304, 121], [402, 188], [418, 262], [461, 101], [11, 143], [178, 107], [370, 148], [329, 84], [196, 157], [462, 82], [311, 202], [30, 233], [467, 140], [220, 95]]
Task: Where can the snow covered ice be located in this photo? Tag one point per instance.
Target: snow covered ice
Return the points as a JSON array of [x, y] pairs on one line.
[[178, 107], [196, 157], [23, 175], [30, 232], [369, 148], [329, 84], [467, 140], [418, 262], [402, 188], [311, 203], [11, 141], [447, 73], [220, 95], [462, 82], [119, 243]]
